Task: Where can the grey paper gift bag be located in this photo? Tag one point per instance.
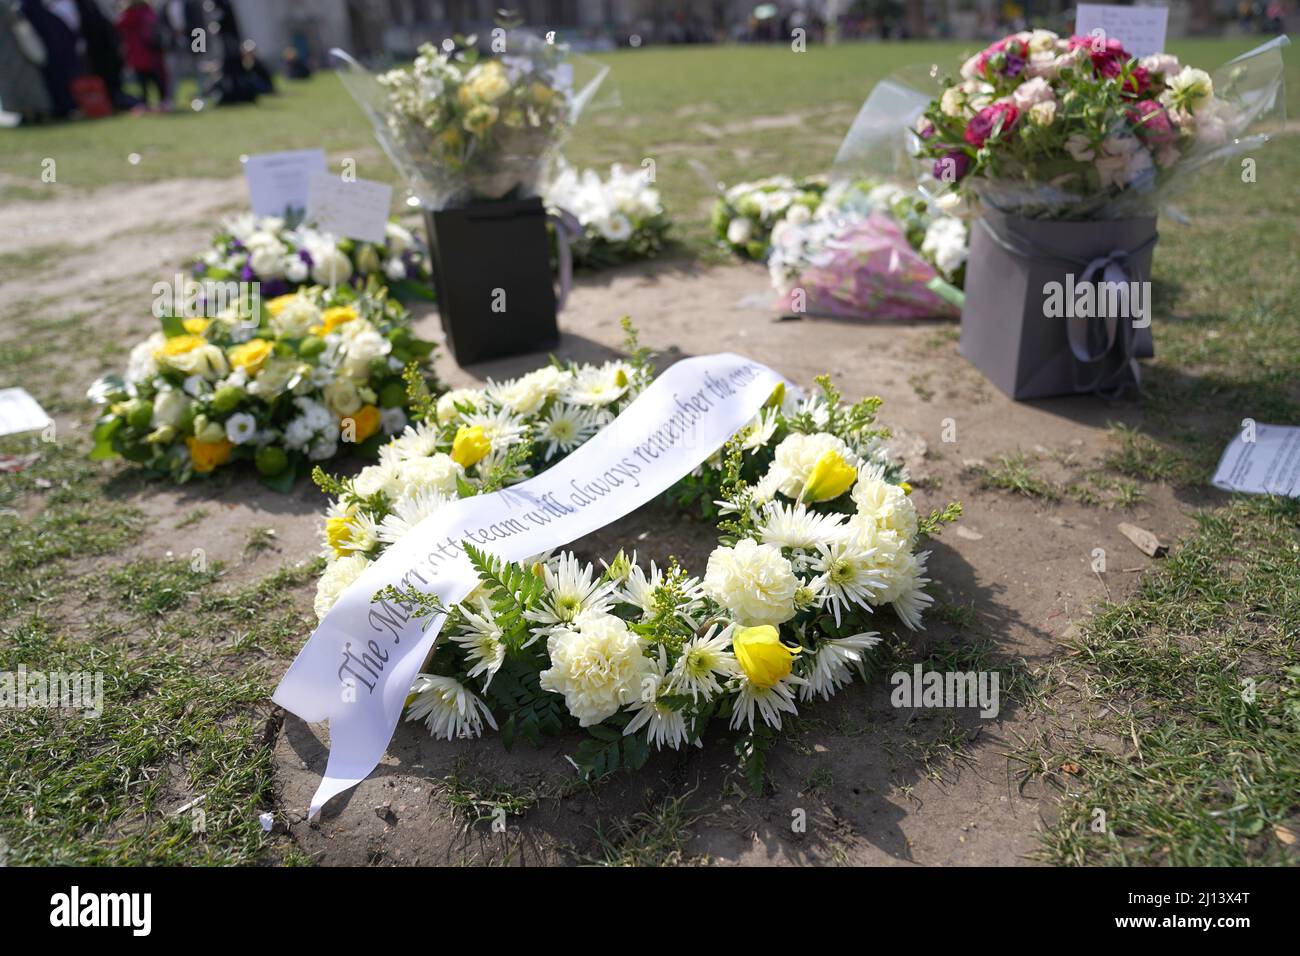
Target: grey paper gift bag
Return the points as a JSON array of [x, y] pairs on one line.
[[1029, 325]]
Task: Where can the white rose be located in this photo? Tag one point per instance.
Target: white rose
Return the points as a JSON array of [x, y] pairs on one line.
[[341, 396], [267, 261], [739, 231], [169, 408], [330, 267], [597, 664], [296, 318], [753, 581]]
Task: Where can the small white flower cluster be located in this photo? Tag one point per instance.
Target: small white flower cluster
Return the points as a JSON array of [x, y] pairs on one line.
[[622, 216], [265, 249], [472, 434], [746, 213]]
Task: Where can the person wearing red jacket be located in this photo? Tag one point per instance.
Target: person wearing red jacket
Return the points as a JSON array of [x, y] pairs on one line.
[[141, 32]]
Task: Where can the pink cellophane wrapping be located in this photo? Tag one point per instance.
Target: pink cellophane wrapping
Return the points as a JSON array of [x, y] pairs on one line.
[[868, 272]]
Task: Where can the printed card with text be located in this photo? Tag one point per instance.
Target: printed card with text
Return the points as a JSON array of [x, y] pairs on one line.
[[352, 209], [1140, 29], [277, 182]]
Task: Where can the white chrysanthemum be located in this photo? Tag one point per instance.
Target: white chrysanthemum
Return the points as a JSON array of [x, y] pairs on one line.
[[905, 583], [797, 526], [336, 579], [830, 668], [500, 427], [706, 662], [447, 708], [666, 726], [754, 581], [417, 441], [758, 430], [566, 427], [571, 589], [849, 574], [436, 473], [598, 665], [472, 398], [528, 393], [644, 591], [482, 642], [375, 478], [408, 512], [769, 702], [796, 456], [886, 505], [595, 386]]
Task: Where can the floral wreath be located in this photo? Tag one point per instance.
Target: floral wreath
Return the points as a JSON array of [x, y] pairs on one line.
[[817, 532]]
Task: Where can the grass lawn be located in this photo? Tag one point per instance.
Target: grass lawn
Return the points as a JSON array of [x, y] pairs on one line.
[[1169, 665]]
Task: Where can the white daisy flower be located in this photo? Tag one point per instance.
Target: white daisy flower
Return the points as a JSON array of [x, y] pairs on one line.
[[705, 663], [566, 427], [528, 393], [830, 667], [666, 727], [451, 403], [241, 428], [769, 702], [571, 589], [409, 512], [447, 708], [797, 526], [417, 441], [500, 427], [483, 644], [599, 385], [758, 431], [643, 591], [851, 578]]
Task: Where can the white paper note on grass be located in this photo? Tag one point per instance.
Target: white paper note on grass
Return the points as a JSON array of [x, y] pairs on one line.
[[1269, 465], [19, 412], [1140, 29], [277, 182], [356, 209]]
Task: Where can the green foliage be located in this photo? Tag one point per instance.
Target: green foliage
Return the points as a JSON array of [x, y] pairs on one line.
[[512, 590]]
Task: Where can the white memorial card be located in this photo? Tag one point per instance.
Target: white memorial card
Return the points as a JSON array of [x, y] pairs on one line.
[[1140, 29], [1262, 460], [19, 412], [277, 182], [352, 209]]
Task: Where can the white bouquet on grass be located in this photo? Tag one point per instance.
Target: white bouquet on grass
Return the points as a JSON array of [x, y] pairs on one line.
[[621, 215]]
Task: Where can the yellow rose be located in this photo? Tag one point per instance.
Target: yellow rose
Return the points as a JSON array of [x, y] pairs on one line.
[[179, 345], [208, 455], [762, 656], [194, 326], [252, 355], [470, 445], [276, 306], [365, 421], [332, 318], [830, 477]]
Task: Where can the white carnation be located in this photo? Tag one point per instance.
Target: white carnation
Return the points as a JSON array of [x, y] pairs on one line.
[[436, 473], [753, 581], [796, 456], [336, 579], [597, 664]]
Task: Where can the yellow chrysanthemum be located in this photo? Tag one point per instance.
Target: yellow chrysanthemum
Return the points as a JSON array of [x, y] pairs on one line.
[[251, 355], [208, 455], [470, 445], [762, 656]]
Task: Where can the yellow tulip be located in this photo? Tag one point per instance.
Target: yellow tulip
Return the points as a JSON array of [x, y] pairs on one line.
[[777, 398], [762, 656], [194, 326], [208, 455], [332, 318], [830, 477], [470, 445], [365, 422], [338, 533], [907, 488], [251, 355]]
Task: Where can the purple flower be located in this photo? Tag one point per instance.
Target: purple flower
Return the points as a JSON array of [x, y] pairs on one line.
[[951, 166]]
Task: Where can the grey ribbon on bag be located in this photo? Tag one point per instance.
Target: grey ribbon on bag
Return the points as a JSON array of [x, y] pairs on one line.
[[567, 229], [1093, 338]]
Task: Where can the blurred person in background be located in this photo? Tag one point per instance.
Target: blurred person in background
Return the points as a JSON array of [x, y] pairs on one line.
[[143, 38], [61, 63], [22, 55], [182, 18], [101, 52]]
